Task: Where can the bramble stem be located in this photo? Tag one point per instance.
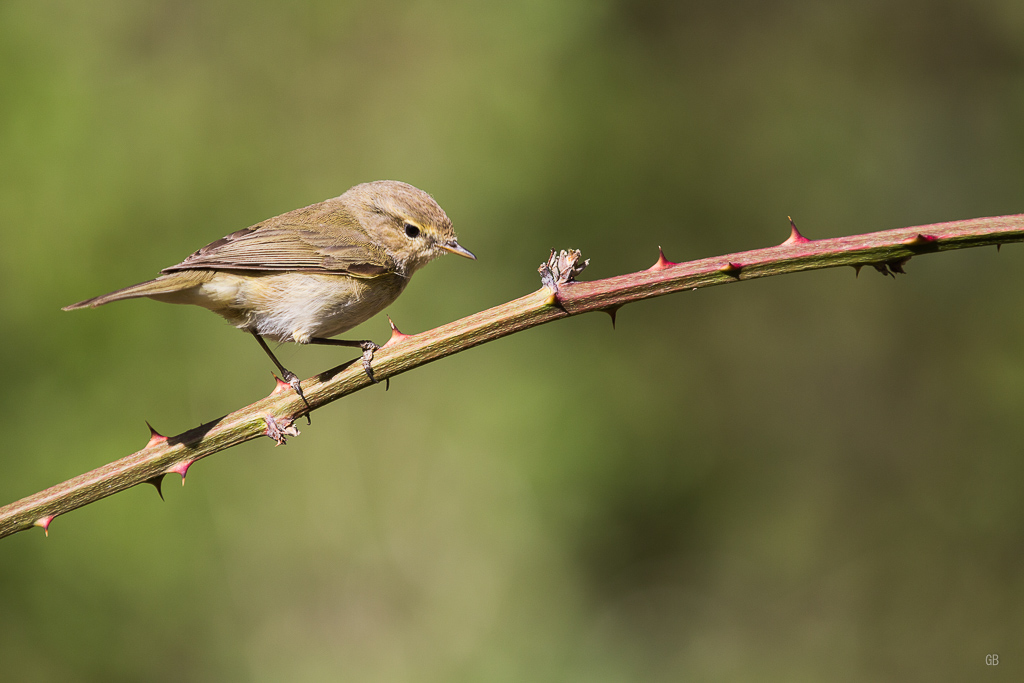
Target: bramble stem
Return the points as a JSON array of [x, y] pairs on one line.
[[886, 251]]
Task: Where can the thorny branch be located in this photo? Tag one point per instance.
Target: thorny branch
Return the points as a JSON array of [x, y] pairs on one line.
[[560, 296]]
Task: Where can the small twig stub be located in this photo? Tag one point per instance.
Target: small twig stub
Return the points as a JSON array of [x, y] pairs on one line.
[[278, 429], [561, 268]]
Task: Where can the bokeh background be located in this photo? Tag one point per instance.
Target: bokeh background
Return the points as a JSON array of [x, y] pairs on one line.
[[815, 477]]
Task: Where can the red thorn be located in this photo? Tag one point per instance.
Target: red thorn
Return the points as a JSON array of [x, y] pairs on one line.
[[157, 481], [155, 437], [732, 269], [857, 268], [45, 523], [794, 235], [662, 264], [612, 310], [280, 386], [396, 334], [918, 240], [180, 468]]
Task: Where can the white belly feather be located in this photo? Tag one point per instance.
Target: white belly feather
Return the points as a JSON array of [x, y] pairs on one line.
[[296, 307]]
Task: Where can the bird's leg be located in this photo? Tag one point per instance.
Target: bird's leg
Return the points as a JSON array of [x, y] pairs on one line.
[[367, 346], [286, 374]]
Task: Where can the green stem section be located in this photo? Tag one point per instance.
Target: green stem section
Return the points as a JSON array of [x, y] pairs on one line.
[[886, 251]]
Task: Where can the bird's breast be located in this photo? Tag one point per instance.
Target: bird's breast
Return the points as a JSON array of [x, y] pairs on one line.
[[298, 306]]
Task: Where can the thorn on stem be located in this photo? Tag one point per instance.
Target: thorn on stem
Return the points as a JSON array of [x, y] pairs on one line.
[[155, 437], [280, 386], [857, 268], [891, 267], [661, 264], [396, 334], [613, 310], [794, 235], [731, 269], [44, 522], [883, 269], [896, 266], [157, 482], [919, 240], [180, 468], [921, 243]]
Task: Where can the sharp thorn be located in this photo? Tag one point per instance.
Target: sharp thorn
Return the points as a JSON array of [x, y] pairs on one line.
[[857, 268], [896, 265], [157, 481], [661, 264], [155, 437], [387, 383], [44, 522], [731, 269], [280, 386], [794, 235], [180, 468], [396, 334], [612, 311], [999, 246], [919, 240], [922, 243], [883, 268]]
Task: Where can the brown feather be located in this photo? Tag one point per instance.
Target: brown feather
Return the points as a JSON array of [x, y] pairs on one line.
[[165, 287], [280, 246]]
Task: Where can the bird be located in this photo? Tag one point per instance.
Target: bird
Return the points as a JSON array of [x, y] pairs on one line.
[[312, 273]]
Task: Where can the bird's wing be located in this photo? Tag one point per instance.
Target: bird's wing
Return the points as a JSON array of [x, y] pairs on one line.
[[292, 247]]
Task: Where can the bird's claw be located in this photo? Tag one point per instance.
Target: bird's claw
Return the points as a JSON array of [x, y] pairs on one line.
[[295, 384], [368, 348]]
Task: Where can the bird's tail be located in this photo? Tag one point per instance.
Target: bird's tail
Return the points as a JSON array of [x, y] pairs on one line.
[[165, 285]]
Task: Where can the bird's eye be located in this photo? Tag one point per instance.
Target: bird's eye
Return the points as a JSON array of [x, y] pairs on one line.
[[411, 230]]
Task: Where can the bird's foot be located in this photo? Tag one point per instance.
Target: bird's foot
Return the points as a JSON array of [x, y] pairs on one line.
[[295, 384], [368, 348], [366, 345]]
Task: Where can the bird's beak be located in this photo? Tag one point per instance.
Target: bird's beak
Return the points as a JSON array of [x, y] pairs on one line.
[[454, 247]]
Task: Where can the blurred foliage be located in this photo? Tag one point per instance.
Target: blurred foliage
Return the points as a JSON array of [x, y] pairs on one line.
[[811, 478]]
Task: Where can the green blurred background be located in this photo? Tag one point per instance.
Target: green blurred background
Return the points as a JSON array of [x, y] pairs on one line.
[[810, 478]]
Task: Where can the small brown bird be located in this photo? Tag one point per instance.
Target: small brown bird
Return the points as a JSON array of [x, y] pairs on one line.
[[311, 273]]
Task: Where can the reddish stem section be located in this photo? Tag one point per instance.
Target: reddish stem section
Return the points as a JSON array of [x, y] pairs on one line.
[[886, 251]]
